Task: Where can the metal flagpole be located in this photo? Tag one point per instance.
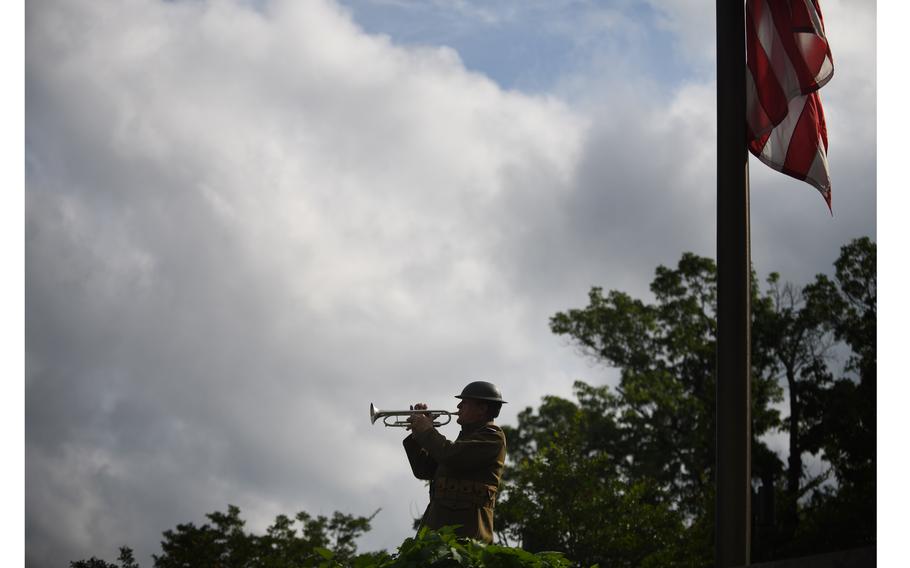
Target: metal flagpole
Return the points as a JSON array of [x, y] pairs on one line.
[[733, 412]]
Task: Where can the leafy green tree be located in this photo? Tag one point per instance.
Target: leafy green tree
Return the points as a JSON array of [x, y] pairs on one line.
[[570, 494], [842, 514], [831, 412], [284, 547], [848, 305], [644, 451], [797, 341], [126, 561], [665, 352], [92, 562], [224, 542], [443, 549], [661, 432]]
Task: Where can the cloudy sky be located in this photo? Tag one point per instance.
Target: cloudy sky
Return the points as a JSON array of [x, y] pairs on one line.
[[246, 220]]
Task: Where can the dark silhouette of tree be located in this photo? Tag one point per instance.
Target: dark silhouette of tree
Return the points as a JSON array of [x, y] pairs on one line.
[[832, 410], [842, 514], [126, 561], [797, 342], [644, 451], [654, 434], [223, 542], [569, 491]]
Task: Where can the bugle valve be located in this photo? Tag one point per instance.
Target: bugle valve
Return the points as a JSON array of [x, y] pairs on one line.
[[399, 418]]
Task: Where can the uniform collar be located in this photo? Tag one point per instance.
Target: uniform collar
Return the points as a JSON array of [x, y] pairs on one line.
[[469, 428]]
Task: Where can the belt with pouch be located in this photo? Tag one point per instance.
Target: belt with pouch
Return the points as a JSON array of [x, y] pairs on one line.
[[463, 491]]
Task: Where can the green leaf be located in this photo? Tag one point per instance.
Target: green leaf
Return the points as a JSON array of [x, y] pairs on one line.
[[324, 552]]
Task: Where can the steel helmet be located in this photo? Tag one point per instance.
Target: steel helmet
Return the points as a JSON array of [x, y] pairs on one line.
[[482, 390]]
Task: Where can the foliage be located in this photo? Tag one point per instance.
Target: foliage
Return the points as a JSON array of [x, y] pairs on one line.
[[625, 476], [842, 407], [568, 498], [443, 549], [666, 356], [796, 341], [126, 561], [647, 449], [322, 543], [832, 410], [225, 543]]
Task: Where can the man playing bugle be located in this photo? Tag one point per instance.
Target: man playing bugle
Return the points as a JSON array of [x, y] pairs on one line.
[[464, 475]]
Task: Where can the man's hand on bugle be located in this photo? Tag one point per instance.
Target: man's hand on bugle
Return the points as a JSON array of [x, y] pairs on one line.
[[420, 422]]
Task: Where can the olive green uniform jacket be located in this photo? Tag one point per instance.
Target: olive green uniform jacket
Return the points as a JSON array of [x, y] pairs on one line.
[[464, 477]]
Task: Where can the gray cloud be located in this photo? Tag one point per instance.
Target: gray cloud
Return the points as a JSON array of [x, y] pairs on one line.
[[243, 225]]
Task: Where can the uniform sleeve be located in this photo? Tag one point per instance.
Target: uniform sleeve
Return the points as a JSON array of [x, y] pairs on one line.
[[479, 449], [422, 465]]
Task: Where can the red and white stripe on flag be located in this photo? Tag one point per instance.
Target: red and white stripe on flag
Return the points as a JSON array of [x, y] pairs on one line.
[[788, 61]]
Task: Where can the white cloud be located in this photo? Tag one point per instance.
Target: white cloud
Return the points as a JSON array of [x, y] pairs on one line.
[[241, 228], [694, 24]]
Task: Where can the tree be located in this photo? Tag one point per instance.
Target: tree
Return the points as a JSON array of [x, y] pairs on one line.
[[842, 515], [126, 561], [665, 353], [796, 342], [284, 547], [848, 306], [830, 417], [653, 440], [568, 491], [223, 542], [644, 451], [92, 563]]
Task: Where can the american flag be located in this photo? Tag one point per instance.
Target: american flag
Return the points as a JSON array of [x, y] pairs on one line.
[[788, 60]]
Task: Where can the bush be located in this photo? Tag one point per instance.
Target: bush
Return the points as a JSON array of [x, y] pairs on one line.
[[442, 549], [428, 549]]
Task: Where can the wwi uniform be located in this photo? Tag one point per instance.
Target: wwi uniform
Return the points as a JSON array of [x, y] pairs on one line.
[[464, 477]]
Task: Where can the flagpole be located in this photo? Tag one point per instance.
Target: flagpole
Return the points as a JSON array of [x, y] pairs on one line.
[[733, 400]]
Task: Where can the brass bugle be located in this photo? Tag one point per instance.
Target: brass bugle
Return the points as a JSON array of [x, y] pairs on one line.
[[400, 417]]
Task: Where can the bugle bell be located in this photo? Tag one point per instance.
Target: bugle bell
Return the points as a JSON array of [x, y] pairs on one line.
[[399, 418]]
